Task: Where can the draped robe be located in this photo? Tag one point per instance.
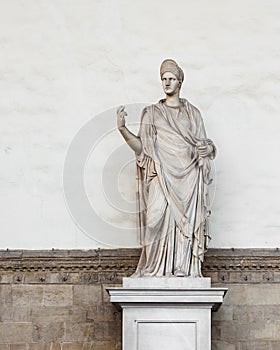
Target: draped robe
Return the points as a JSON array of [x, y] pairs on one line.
[[172, 191]]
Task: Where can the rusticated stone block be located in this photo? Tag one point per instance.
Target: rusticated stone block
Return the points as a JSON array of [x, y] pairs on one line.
[[48, 332], [230, 331], [4, 347], [44, 346], [18, 346], [247, 314], [5, 296], [6, 314], [27, 295], [56, 314], [242, 330], [275, 345], [79, 332], [15, 332], [76, 346], [263, 295], [106, 345], [225, 313], [102, 312], [255, 345], [87, 295], [276, 335], [221, 345], [107, 330], [14, 314], [58, 295], [271, 312], [216, 330], [263, 329]]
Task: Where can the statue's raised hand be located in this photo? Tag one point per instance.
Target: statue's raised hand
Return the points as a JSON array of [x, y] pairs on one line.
[[132, 140], [121, 114]]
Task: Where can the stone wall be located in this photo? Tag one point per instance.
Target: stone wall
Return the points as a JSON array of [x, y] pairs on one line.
[[58, 299], [249, 318]]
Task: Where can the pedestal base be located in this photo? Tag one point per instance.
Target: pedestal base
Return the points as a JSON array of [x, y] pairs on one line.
[[167, 313]]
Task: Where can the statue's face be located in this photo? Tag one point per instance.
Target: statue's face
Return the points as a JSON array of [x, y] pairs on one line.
[[170, 83]]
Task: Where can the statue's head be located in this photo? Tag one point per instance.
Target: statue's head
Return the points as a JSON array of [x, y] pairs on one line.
[[171, 76], [172, 67]]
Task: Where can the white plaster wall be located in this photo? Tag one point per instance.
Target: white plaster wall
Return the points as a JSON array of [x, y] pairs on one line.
[[63, 62]]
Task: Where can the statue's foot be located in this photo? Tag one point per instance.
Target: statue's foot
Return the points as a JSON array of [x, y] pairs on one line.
[[168, 274], [196, 275], [136, 274], [179, 273]]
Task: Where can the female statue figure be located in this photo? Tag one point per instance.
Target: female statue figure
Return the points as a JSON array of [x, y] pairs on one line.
[[173, 156]]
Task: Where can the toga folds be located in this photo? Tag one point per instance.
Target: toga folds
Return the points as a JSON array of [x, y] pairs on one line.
[[172, 191]]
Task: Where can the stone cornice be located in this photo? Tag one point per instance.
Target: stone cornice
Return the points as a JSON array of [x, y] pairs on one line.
[[57, 260], [242, 259], [110, 265], [243, 265]]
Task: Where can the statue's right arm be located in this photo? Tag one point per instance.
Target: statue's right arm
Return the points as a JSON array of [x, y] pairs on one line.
[[132, 140]]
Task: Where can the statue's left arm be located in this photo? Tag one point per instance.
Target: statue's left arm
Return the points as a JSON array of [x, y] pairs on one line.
[[207, 147]]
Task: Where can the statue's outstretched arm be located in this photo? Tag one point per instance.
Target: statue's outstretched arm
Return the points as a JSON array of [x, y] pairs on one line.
[[132, 140]]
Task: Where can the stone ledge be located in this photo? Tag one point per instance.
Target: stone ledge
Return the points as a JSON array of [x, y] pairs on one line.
[[166, 283]]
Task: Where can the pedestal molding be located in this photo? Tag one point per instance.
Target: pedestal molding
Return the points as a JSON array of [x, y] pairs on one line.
[[181, 315]]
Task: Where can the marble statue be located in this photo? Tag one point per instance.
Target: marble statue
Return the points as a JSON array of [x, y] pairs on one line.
[[173, 156]]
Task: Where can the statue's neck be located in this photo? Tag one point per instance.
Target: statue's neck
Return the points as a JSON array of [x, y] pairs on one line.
[[173, 100]]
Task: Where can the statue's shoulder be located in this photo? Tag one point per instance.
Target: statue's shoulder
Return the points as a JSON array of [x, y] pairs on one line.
[[190, 106], [148, 108], [192, 109], [151, 107], [149, 111], [147, 115]]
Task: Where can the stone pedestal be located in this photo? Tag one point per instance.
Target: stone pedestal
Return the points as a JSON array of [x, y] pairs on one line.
[[167, 313]]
